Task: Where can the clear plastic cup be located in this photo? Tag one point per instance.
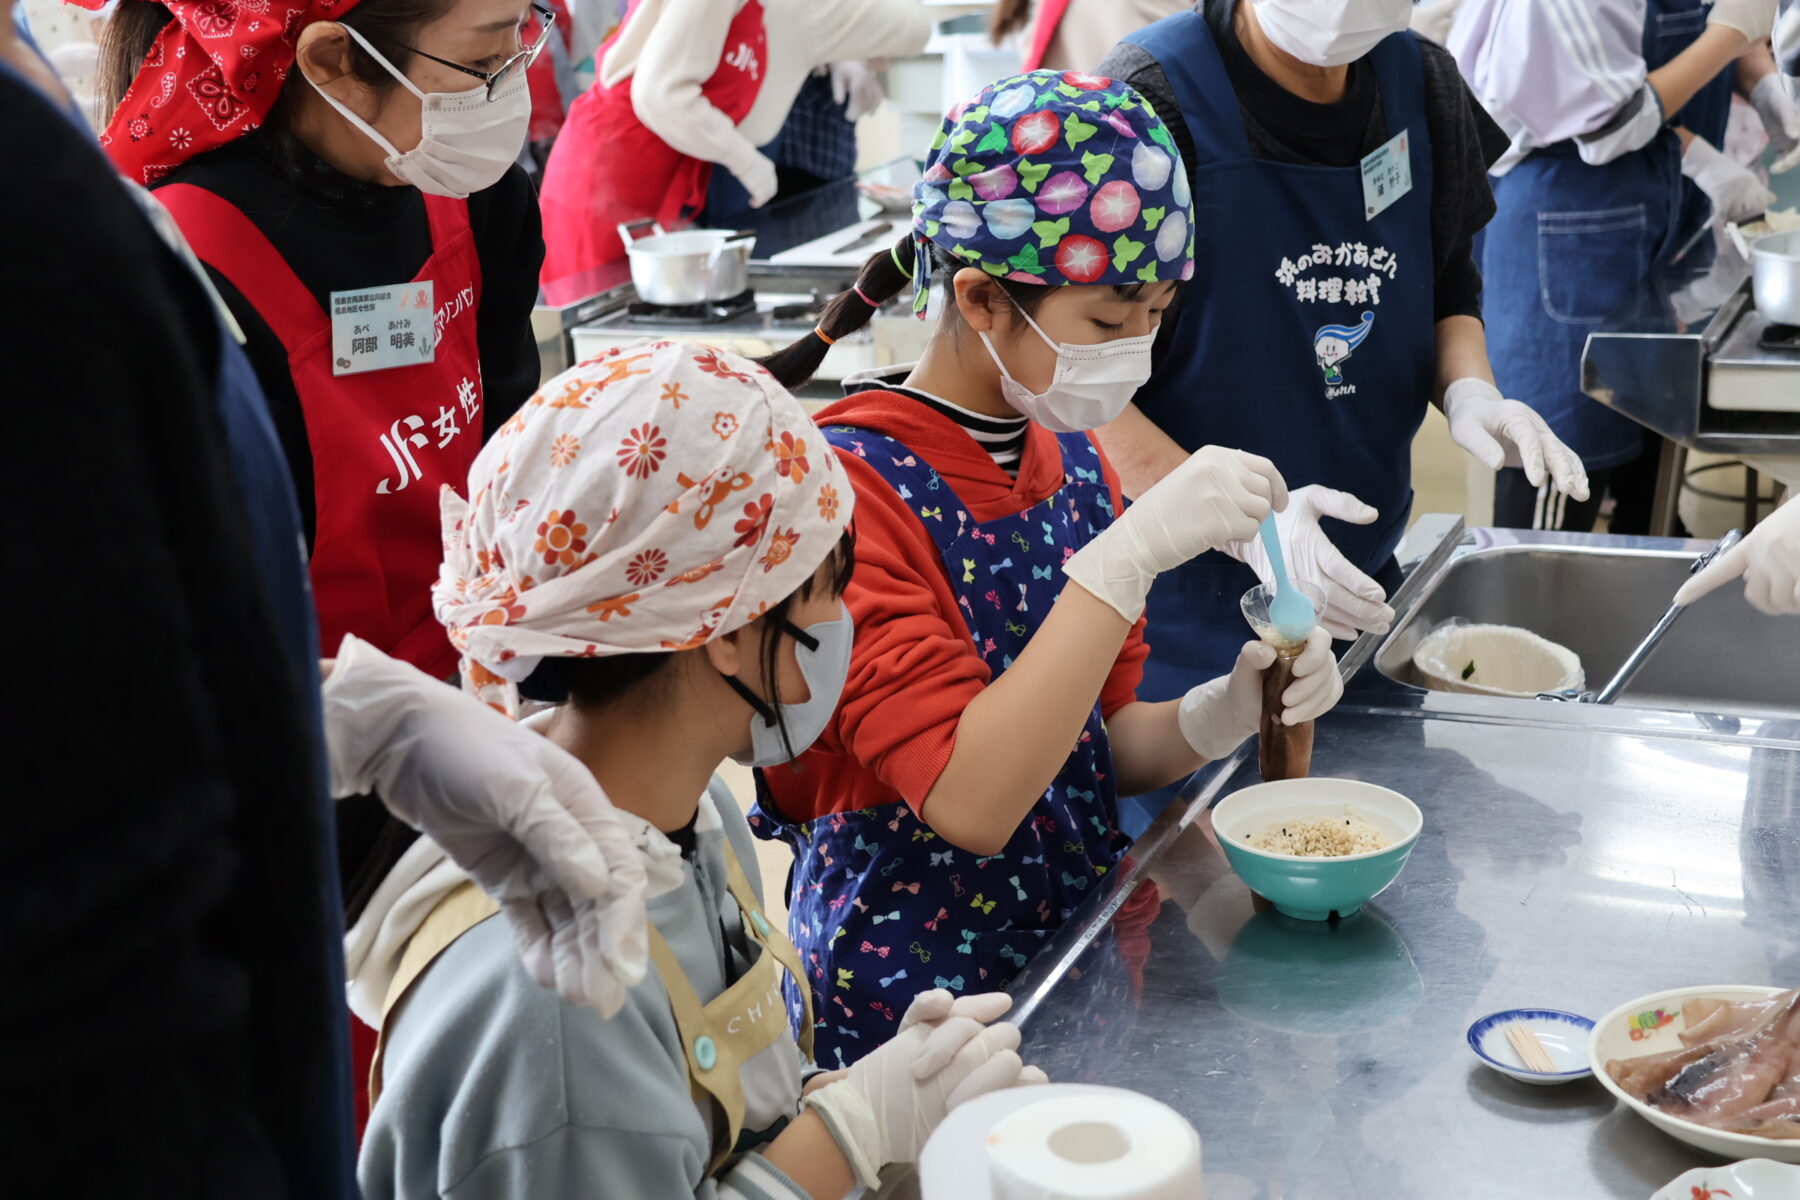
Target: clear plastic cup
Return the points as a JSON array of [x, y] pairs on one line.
[[1255, 606]]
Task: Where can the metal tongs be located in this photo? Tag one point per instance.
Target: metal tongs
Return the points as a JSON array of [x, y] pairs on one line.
[[1634, 662]]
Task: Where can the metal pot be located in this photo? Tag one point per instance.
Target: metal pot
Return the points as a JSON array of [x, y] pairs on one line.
[[692, 266], [1775, 276]]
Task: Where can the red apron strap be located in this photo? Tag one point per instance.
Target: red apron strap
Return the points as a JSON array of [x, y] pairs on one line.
[[231, 244], [449, 220], [1043, 31]]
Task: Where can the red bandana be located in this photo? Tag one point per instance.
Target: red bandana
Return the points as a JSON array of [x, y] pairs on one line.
[[212, 75]]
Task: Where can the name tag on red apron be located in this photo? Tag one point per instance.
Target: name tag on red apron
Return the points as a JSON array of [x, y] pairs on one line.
[[1386, 174], [375, 329]]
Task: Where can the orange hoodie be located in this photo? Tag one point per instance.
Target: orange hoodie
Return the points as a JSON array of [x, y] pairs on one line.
[[914, 668]]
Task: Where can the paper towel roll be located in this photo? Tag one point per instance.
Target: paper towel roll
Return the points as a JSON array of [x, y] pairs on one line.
[[1062, 1142]]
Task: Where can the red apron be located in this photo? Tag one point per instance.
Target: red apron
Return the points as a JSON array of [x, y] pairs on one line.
[[382, 442], [607, 168]]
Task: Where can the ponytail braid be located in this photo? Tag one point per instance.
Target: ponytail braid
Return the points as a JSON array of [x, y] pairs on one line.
[[882, 278], [1008, 17]]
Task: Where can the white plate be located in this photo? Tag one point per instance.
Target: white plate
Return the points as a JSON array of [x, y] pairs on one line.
[[1752, 1179], [1563, 1035], [1612, 1039]]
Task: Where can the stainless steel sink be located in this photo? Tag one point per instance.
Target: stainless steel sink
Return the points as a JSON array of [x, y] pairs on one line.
[[1600, 600]]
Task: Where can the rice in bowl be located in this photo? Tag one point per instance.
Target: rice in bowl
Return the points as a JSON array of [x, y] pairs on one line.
[[1319, 837]]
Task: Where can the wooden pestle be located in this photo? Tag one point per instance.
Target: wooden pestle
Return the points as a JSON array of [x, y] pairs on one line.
[[1285, 750]]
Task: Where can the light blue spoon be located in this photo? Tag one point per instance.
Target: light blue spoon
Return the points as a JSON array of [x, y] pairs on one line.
[[1290, 611]]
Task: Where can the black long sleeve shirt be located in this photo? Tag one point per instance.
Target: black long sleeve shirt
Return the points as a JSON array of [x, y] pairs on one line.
[[339, 234]]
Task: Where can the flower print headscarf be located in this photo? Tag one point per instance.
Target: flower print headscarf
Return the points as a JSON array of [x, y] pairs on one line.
[[1056, 177], [652, 498]]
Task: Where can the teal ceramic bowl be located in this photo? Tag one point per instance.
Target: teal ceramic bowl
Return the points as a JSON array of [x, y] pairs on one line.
[[1311, 889]]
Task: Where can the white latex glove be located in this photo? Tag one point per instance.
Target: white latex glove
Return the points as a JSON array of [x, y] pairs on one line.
[[857, 86], [1736, 194], [523, 817], [1769, 560], [1505, 433], [757, 175], [1353, 601], [945, 1053], [1755, 19], [1779, 115], [1215, 497], [1219, 714]]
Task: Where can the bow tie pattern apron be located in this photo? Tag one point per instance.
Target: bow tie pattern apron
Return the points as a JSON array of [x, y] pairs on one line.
[[881, 907], [1307, 335], [383, 441], [1572, 242], [607, 169]]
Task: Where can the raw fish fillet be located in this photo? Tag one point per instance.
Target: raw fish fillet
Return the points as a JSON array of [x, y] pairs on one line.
[[1712, 1020], [1739, 1070]]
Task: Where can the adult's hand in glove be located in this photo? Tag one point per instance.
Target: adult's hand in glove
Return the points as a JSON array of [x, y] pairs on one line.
[[1353, 601], [1505, 433], [1780, 117], [757, 175], [946, 1051], [1219, 714], [856, 86], [1769, 560], [1736, 194], [524, 818], [1215, 497], [1755, 19]]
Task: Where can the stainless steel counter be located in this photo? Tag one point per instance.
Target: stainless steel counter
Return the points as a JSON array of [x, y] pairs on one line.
[[1573, 857]]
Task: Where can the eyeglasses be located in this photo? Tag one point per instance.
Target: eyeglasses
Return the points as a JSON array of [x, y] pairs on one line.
[[513, 67]]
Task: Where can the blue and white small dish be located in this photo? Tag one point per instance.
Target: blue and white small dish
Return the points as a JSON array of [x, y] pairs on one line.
[[1564, 1037]]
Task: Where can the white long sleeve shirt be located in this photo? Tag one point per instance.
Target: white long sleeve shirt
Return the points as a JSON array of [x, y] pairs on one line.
[[1549, 71], [671, 47]]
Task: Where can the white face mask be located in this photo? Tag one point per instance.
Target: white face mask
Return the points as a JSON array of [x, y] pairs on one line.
[[466, 141], [1092, 384], [1331, 33], [825, 665]]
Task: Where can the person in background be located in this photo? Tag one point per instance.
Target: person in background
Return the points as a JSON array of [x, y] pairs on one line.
[[347, 176], [1768, 561], [552, 83], [638, 546], [1326, 314], [816, 144], [1073, 35], [1787, 47], [174, 972], [962, 803], [686, 85], [1608, 107]]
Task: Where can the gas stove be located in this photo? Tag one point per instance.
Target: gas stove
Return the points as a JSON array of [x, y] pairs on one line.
[[782, 306]]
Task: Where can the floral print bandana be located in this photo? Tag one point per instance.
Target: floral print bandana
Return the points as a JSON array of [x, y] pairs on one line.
[[649, 499], [212, 74], [1057, 178]]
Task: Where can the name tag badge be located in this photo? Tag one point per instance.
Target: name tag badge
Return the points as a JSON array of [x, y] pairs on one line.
[[374, 329], [1387, 175]]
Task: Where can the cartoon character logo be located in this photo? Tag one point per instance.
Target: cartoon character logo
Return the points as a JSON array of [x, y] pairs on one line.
[[1335, 343]]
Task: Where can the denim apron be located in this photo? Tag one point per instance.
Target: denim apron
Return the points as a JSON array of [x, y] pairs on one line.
[[881, 907], [1572, 244], [1306, 336]]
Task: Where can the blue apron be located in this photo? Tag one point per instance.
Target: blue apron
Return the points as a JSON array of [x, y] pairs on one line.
[[1571, 246], [880, 906], [1307, 334]]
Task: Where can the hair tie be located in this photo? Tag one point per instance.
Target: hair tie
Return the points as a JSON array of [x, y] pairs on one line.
[[894, 253], [819, 332], [864, 296]]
